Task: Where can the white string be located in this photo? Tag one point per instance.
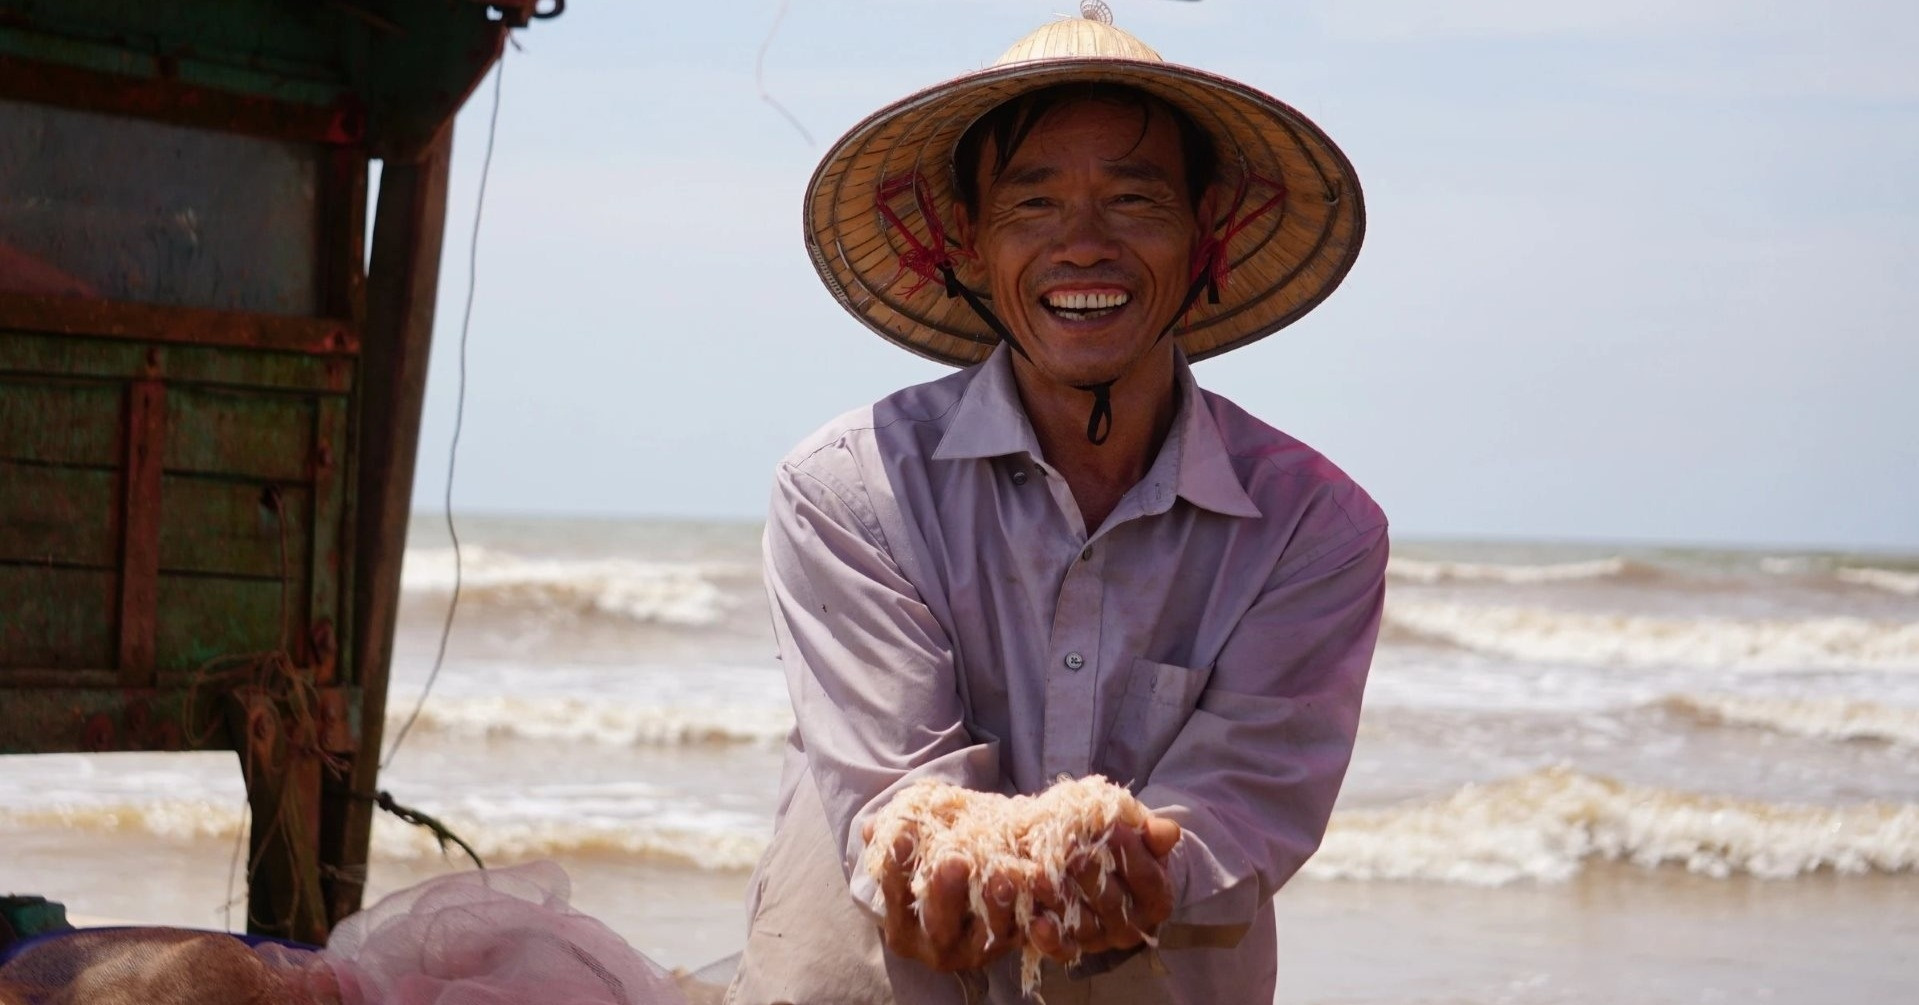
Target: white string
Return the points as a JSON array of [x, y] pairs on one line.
[[459, 416]]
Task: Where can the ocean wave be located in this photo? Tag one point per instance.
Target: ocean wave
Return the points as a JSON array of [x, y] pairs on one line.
[[642, 592], [573, 720], [1595, 639], [712, 848], [1890, 580], [1544, 826], [1816, 717], [1415, 571]]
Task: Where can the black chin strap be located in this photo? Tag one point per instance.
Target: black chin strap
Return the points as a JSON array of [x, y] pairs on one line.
[[1099, 425]]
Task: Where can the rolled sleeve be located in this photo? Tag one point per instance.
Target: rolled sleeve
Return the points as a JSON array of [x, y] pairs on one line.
[[1252, 776], [869, 669]]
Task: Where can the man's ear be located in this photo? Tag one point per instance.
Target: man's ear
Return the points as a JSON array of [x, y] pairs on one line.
[[966, 231], [963, 227], [1206, 214]]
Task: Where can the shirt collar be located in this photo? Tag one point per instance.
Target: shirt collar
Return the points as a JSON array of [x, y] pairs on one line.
[[1206, 475], [991, 422]]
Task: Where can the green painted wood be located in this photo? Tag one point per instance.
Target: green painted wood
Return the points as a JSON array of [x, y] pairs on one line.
[[58, 515], [24, 353], [221, 527], [280, 371], [52, 618], [44, 720], [329, 569], [32, 353], [59, 422], [203, 618], [181, 715], [220, 432]]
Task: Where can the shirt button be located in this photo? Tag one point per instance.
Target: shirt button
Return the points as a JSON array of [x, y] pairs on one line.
[[1086, 555], [1019, 477], [1074, 661]]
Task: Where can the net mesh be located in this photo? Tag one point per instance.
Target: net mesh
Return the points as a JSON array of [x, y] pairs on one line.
[[478, 938]]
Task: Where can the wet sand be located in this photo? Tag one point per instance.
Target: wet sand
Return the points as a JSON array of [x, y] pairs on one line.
[[1613, 934]]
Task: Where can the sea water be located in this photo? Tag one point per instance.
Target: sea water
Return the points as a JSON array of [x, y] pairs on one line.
[[1584, 774]]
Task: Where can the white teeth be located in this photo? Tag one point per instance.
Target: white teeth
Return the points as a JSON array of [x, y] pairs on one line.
[[1086, 301]]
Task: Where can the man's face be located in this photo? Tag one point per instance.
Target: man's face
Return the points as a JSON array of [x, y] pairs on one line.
[[1087, 238]]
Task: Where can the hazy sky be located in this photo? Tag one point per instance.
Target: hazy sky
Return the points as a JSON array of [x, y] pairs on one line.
[[1636, 270]]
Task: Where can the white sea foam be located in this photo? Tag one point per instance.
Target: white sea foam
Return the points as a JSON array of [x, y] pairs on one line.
[[702, 844], [574, 720], [1415, 571], [1822, 718], [1598, 639], [644, 592], [1893, 581], [1545, 825], [1541, 826]]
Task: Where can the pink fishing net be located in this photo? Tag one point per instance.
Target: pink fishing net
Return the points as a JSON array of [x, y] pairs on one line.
[[500, 937]]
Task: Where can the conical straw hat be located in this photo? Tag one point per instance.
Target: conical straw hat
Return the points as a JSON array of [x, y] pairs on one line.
[[881, 202]]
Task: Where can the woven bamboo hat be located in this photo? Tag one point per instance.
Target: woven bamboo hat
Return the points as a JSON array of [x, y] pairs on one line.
[[879, 209]]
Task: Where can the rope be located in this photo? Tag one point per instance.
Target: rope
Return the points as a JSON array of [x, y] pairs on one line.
[[759, 75], [441, 832], [459, 420]]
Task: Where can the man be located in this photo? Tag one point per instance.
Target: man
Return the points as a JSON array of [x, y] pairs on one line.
[[1067, 559]]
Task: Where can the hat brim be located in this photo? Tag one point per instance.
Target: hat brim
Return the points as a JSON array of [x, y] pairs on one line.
[[1282, 264]]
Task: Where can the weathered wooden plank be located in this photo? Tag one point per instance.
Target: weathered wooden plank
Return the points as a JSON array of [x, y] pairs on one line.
[[179, 715], [60, 422], [218, 526], [279, 371], [246, 435], [57, 618], [32, 352], [58, 515], [74, 356], [177, 325], [140, 524], [405, 272], [327, 554], [207, 617], [44, 720]]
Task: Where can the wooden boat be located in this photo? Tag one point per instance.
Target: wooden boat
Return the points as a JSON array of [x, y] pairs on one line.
[[210, 395]]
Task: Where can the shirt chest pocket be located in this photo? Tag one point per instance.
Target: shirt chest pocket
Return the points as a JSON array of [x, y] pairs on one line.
[[1159, 698]]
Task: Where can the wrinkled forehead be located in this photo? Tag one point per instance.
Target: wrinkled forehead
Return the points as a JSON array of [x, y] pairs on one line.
[[1137, 132], [1110, 128]]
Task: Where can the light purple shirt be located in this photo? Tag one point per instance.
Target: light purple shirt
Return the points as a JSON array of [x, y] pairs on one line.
[[942, 612]]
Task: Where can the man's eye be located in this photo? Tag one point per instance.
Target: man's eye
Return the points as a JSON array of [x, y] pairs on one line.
[[1036, 202], [1129, 198]]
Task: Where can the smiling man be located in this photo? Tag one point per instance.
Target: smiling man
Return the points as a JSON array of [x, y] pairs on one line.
[[1067, 558]]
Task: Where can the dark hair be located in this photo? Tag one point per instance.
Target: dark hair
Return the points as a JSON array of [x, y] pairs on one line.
[[1009, 124]]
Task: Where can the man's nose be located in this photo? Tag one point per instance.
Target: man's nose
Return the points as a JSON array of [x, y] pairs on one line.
[[1085, 238]]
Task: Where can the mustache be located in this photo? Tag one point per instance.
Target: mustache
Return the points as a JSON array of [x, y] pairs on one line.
[[1060, 275]]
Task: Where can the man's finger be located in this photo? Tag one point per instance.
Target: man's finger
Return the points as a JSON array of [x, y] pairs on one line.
[[901, 924], [1147, 881], [943, 911], [1000, 922], [1043, 933], [1161, 834]]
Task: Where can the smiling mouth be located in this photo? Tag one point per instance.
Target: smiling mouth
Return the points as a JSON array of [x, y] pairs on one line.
[[1085, 306]]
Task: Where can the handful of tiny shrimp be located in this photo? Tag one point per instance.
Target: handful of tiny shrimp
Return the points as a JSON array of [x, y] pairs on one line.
[[1024, 838]]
